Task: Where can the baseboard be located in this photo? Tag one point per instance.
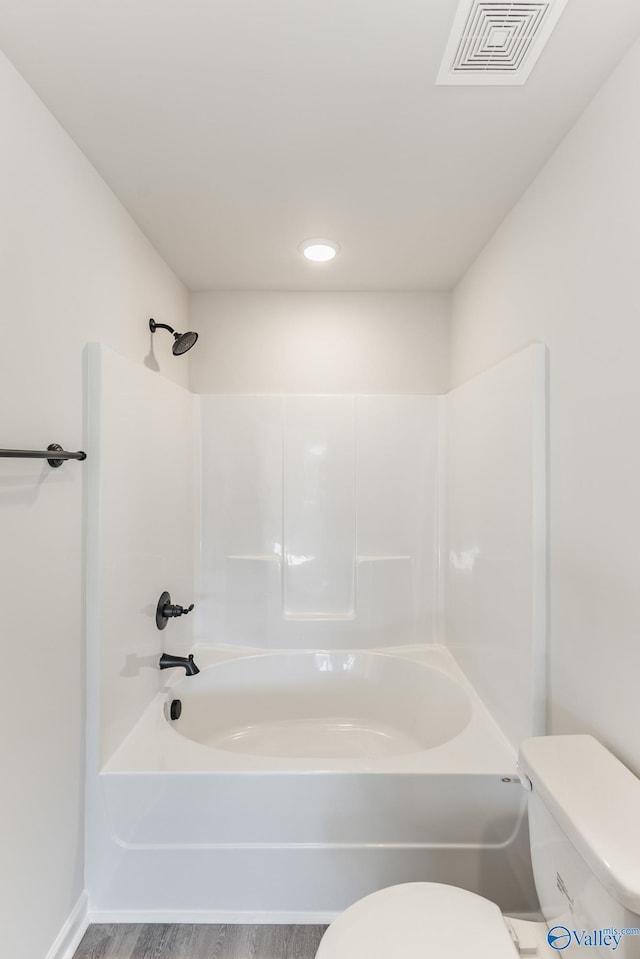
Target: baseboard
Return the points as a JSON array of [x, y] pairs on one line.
[[214, 917], [69, 937]]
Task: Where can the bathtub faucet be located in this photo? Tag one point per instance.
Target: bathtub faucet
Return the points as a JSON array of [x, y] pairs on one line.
[[166, 610], [190, 668]]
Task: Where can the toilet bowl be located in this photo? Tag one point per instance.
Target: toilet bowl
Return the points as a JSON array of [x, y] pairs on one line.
[[584, 826]]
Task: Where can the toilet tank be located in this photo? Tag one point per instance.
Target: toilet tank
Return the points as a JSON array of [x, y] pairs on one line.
[[584, 825]]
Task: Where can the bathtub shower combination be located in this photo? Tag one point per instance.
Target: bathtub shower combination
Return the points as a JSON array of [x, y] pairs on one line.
[[369, 580]]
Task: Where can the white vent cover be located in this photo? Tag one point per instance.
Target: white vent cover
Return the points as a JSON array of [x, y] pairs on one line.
[[497, 42]]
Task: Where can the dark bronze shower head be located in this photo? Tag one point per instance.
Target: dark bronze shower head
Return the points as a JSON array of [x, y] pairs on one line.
[[181, 341]]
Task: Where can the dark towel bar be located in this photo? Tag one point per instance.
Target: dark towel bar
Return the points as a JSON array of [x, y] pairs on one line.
[[55, 461]]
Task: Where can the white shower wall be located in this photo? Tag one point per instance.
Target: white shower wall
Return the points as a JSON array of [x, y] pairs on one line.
[[495, 549], [325, 522], [141, 505], [319, 522]]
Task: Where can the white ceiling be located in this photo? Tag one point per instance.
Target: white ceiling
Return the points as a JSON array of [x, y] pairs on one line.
[[233, 129]]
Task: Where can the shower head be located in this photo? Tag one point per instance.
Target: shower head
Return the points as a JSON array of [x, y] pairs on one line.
[[182, 341]]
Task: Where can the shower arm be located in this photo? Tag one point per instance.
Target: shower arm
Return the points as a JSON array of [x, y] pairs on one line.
[[162, 326]]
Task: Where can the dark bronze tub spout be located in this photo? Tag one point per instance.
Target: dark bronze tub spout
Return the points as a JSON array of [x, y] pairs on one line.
[[190, 668]]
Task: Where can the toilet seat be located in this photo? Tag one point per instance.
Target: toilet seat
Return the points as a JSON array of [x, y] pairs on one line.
[[419, 920]]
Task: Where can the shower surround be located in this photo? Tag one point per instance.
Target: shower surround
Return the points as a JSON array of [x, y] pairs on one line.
[[319, 521], [369, 574]]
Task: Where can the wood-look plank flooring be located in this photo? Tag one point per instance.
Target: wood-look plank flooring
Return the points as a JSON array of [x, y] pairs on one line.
[[186, 941]]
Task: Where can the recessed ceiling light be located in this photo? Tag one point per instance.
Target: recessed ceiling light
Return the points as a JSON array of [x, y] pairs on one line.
[[319, 250]]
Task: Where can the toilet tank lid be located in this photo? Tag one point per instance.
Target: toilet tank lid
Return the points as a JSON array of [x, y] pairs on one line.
[[595, 799]]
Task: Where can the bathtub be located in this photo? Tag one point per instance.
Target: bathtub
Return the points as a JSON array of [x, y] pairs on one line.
[[295, 782], [320, 707]]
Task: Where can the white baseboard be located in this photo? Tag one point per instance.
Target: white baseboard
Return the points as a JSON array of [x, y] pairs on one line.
[[69, 937], [214, 917]]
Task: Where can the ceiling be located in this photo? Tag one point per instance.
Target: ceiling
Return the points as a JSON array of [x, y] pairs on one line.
[[233, 129]]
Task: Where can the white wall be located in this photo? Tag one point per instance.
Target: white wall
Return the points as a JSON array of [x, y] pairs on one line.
[[494, 548], [320, 343], [319, 520], [141, 504], [74, 268], [563, 269]]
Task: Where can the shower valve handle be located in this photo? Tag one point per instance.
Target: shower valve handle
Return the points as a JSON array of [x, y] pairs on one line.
[[166, 610], [169, 610]]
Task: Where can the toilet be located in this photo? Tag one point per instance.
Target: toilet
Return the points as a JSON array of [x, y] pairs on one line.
[[584, 826]]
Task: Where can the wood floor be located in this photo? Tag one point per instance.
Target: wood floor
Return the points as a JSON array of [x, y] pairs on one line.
[[186, 941]]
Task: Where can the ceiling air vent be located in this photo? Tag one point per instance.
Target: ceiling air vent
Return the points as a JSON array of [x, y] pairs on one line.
[[497, 42]]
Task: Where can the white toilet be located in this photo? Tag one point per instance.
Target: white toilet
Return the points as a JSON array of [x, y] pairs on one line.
[[584, 822]]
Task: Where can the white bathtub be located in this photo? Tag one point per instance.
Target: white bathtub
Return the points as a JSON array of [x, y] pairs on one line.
[[406, 710], [296, 782], [326, 706]]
